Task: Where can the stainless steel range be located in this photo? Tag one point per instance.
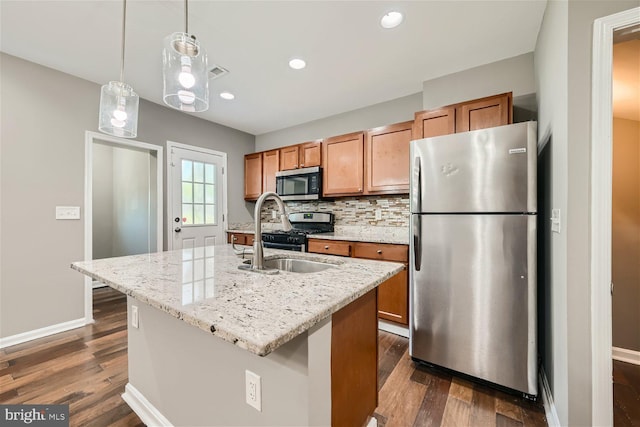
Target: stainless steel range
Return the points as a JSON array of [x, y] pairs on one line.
[[303, 223]]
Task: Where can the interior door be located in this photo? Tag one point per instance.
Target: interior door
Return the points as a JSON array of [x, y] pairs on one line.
[[196, 211]]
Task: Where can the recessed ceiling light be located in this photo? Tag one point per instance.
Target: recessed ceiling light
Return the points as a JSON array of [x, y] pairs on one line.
[[391, 20], [297, 64], [227, 95]]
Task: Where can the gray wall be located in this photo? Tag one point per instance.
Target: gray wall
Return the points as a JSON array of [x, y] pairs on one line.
[[509, 75], [44, 118], [123, 210], [570, 130], [625, 238], [385, 113], [551, 70]]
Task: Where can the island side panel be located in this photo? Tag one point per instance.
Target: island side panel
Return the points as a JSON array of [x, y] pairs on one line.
[[194, 378], [319, 374], [354, 362]]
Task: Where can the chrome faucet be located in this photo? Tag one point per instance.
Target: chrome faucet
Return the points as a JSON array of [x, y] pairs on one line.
[[257, 263]]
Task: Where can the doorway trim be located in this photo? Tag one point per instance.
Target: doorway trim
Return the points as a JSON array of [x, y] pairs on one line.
[[225, 216], [90, 139], [601, 194]]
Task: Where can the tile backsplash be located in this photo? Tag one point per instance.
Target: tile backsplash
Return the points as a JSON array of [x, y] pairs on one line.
[[352, 210]]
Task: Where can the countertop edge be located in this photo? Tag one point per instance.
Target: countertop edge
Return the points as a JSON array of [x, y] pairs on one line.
[[260, 350]]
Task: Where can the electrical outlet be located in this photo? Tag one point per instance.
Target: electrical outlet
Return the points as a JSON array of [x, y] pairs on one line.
[[274, 214], [378, 214], [134, 316], [253, 389]]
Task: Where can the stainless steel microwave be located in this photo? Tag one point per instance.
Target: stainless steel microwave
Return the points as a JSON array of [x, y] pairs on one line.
[[300, 184]]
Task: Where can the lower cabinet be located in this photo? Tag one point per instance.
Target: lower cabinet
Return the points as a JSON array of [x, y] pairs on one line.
[[240, 238], [393, 294]]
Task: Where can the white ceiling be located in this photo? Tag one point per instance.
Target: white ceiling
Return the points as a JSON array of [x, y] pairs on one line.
[[352, 62]]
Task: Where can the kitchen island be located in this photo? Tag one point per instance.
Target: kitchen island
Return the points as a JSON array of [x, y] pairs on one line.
[[202, 323]]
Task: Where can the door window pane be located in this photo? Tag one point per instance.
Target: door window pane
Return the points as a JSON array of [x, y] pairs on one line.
[[187, 172], [198, 189], [198, 172], [187, 192], [209, 173]]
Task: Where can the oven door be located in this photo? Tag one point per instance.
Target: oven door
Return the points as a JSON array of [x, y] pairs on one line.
[[285, 246]]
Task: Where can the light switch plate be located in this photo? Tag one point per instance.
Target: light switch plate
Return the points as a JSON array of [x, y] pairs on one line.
[[67, 212], [555, 220]]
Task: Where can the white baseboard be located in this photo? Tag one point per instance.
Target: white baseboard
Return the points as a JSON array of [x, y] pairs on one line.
[[403, 331], [42, 332], [625, 355], [139, 404], [547, 400]]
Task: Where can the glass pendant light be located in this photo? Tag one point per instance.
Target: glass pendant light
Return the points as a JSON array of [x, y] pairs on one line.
[[184, 71], [118, 101]]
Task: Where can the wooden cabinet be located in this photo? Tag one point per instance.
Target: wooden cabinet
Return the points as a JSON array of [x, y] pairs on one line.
[[386, 159], [329, 247], [343, 163], [311, 154], [434, 123], [485, 113], [496, 110], [393, 294], [252, 176], [241, 238], [270, 165], [289, 157]]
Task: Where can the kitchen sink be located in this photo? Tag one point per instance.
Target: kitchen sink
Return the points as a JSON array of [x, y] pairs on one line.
[[294, 265]]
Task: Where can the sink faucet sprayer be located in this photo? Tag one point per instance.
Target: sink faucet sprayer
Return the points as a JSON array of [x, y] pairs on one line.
[[257, 263]]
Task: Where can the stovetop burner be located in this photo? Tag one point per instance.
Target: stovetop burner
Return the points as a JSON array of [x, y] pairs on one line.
[[303, 223]]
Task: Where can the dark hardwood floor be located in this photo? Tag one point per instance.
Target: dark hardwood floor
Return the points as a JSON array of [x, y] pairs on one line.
[[418, 396], [626, 394], [87, 369]]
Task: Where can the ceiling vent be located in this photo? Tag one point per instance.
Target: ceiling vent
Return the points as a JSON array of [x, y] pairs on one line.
[[217, 72]]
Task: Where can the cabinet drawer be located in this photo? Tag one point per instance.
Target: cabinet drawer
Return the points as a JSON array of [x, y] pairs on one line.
[[382, 251], [329, 247], [240, 238]]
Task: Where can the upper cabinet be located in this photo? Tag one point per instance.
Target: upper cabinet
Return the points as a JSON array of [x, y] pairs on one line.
[[343, 165], [311, 154], [386, 159], [435, 122], [289, 158], [252, 176], [485, 113], [270, 165], [470, 115]]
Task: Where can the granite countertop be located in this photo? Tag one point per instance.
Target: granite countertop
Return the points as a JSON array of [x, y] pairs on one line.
[[371, 234], [257, 312]]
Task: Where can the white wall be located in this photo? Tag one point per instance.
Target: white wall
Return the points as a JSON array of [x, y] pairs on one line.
[[102, 201], [385, 113], [508, 75], [44, 116]]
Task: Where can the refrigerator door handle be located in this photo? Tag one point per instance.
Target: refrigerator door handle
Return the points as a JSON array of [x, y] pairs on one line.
[[417, 186], [417, 247]]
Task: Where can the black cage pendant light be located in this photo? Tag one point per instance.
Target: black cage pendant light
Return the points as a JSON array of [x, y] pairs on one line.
[[118, 102], [184, 71]]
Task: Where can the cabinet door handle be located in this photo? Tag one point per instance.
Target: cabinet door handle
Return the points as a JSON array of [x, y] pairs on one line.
[[379, 251], [301, 164], [326, 247]]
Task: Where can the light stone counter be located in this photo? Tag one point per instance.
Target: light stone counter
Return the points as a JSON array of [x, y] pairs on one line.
[[372, 234], [257, 312]]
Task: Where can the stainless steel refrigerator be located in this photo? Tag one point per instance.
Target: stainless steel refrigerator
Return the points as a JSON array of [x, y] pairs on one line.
[[473, 254]]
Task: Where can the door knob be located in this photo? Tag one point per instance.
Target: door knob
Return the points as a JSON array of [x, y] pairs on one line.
[[177, 229], [177, 219]]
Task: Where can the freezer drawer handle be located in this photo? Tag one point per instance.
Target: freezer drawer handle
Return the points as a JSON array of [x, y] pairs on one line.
[[417, 249]]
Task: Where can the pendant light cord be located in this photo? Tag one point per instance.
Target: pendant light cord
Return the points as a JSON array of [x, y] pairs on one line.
[[186, 16], [124, 20]]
